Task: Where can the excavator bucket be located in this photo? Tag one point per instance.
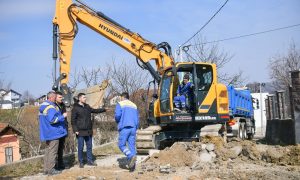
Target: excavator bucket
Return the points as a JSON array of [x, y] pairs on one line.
[[94, 94]]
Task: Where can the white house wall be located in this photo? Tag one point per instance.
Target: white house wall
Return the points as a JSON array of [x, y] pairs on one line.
[[260, 120]]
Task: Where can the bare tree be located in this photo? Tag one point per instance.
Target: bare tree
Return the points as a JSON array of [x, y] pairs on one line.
[[125, 77], [211, 53], [282, 65], [91, 77], [75, 79], [28, 97]]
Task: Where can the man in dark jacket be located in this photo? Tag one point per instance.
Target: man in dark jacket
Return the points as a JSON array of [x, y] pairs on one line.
[[82, 125], [60, 163]]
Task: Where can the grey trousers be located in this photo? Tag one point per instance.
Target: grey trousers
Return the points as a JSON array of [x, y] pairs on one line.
[[50, 154]]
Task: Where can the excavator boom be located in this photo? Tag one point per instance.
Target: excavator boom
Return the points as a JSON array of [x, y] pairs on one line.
[[68, 14]]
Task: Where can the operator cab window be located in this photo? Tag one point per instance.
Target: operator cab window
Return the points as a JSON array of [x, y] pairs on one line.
[[204, 77]]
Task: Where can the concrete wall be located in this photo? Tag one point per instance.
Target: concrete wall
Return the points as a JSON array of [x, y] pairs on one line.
[[280, 132]]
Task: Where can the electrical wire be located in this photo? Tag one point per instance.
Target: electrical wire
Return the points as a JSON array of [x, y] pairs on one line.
[[206, 23], [247, 35]]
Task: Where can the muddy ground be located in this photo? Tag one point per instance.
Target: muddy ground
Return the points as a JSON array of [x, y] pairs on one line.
[[209, 159]]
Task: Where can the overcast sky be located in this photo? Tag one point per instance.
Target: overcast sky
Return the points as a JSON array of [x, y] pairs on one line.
[[26, 34]]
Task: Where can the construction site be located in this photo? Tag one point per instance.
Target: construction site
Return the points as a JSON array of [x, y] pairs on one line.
[[168, 114]]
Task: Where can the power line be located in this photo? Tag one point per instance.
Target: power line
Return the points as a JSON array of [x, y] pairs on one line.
[[246, 35], [206, 23]]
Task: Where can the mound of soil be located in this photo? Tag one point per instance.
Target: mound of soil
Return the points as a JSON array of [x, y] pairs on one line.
[[176, 156]]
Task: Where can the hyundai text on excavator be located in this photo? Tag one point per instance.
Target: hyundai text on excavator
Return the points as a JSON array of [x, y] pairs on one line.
[[209, 102]]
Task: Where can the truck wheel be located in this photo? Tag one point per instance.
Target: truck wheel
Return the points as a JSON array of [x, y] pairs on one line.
[[250, 135], [242, 131]]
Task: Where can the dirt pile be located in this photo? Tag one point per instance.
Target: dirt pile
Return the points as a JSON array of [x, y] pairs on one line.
[[212, 153], [177, 155]]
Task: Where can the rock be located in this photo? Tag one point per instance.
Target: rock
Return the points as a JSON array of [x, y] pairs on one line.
[[205, 157], [101, 178], [165, 169], [210, 147], [235, 151], [148, 167], [203, 146], [79, 178], [197, 166], [213, 155], [140, 172], [92, 177], [153, 152]]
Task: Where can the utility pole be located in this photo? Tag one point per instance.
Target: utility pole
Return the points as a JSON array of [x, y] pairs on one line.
[[261, 107]]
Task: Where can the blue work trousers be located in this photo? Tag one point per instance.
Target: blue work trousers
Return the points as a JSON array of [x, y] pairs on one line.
[[88, 142], [127, 135], [179, 101]]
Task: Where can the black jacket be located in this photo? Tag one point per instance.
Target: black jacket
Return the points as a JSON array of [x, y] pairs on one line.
[[63, 109], [81, 119]]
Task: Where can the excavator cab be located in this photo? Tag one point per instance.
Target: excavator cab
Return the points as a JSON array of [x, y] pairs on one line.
[[205, 102]]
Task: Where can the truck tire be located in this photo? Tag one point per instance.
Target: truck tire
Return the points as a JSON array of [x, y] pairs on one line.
[[242, 131], [250, 135]]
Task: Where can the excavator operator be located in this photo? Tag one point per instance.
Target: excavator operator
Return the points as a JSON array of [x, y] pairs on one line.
[[185, 90]]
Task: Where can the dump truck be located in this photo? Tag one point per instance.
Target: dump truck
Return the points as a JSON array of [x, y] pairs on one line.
[[242, 122]]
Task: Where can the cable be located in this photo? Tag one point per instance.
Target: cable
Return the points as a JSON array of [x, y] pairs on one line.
[[246, 35], [206, 23]]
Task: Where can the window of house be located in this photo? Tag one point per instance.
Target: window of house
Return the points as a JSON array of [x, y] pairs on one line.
[[8, 154]]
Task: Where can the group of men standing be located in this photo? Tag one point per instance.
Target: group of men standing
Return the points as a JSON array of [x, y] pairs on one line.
[[54, 129]]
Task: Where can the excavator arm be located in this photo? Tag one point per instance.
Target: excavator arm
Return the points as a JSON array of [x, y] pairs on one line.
[[65, 28]]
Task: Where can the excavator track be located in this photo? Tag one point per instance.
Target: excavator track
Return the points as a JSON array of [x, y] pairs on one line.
[[145, 140]]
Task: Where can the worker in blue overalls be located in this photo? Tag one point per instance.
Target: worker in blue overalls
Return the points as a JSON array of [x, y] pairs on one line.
[[127, 117], [184, 90]]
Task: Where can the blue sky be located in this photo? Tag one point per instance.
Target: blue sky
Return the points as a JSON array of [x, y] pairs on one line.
[[26, 34]]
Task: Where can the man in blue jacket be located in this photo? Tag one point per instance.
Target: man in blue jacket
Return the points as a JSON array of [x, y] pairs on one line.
[[52, 128], [127, 117], [184, 90]]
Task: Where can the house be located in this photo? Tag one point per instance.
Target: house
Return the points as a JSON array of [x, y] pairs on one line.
[[9, 99], [40, 100], [9, 144]]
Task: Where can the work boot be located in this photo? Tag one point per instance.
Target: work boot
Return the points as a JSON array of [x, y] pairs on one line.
[[132, 169], [81, 165], [53, 172], [132, 162]]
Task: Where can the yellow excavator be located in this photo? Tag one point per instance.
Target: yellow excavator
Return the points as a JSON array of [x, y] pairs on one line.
[[208, 103]]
